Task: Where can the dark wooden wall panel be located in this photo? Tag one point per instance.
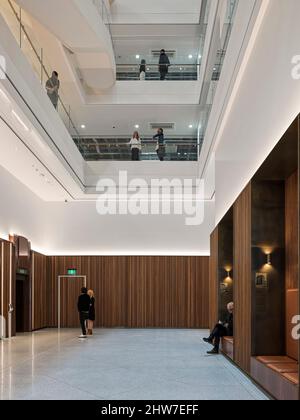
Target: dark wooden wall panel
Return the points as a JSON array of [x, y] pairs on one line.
[[214, 279], [242, 283], [7, 285], [39, 291], [139, 292], [291, 232]]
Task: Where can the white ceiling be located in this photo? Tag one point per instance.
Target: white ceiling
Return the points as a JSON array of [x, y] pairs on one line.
[[156, 11], [100, 120], [132, 40]]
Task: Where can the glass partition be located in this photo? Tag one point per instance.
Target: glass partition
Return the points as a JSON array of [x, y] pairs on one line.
[[96, 149], [175, 72], [219, 61]]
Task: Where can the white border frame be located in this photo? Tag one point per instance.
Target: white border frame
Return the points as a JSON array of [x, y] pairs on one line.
[[59, 294]]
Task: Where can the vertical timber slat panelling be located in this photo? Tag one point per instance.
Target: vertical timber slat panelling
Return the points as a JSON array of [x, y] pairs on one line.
[[291, 229], [39, 291], [242, 283], [213, 279], [139, 292], [7, 288]]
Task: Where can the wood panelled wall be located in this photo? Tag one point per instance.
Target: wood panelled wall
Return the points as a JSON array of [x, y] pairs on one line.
[[214, 279], [291, 232], [139, 292], [7, 285], [39, 282], [242, 283]]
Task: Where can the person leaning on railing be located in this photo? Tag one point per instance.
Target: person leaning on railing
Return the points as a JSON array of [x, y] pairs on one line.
[[52, 87]]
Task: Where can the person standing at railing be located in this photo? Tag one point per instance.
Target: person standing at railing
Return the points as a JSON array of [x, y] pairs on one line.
[[164, 64], [136, 146], [161, 145], [143, 70], [52, 87]]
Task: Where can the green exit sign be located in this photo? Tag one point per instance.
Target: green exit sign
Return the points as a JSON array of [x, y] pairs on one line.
[[72, 272]]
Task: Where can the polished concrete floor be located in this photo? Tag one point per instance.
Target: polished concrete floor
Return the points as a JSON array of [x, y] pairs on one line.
[[118, 364]]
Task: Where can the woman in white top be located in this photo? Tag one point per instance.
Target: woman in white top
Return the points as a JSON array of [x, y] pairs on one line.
[[136, 146]]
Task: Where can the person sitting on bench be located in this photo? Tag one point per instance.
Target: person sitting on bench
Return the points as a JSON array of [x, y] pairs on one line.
[[222, 329]]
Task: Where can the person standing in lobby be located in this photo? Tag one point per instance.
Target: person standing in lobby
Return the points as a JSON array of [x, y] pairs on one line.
[[92, 314], [83, 305]]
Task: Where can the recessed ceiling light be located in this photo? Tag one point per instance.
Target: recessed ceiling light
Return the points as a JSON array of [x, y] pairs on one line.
[[190, 56], [137, 56], [83, 126], [181, 68], [137, 126], [191, 126], [200, 56]]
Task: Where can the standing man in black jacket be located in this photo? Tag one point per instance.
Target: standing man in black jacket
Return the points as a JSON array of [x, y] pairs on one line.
[[222, 329], [83, 305], [164, 64]]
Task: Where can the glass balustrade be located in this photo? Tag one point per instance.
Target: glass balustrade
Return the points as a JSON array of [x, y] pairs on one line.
[[175, 72], [99, 149], [36, 55], [208, 100]]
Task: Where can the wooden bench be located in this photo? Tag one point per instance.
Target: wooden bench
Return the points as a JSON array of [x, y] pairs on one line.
[[227, 346], [279, 375]]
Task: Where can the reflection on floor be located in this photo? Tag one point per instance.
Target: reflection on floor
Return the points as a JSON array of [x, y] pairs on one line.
[[118, 364]]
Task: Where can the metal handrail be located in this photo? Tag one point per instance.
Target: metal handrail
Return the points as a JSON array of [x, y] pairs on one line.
[[40, 59]]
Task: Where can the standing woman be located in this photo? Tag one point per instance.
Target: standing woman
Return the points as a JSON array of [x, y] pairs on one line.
[[136, 146], [92, 315], [143, 70]]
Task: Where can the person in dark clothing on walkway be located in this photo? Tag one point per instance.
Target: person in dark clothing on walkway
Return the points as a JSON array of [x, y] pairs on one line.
[[83, 305], [223, 329], [52, 87], [164, 64], [92, 312], [161, 145]]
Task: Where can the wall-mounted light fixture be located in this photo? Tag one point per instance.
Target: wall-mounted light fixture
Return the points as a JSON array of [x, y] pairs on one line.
[[269, 261]]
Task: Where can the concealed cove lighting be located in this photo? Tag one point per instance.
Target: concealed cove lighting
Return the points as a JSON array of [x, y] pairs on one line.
[[4, 96], [20, 121]]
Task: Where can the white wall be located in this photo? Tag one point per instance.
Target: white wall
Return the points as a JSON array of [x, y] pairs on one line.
[[77, 229], [21, 212], [78, 24], [265, 103]]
